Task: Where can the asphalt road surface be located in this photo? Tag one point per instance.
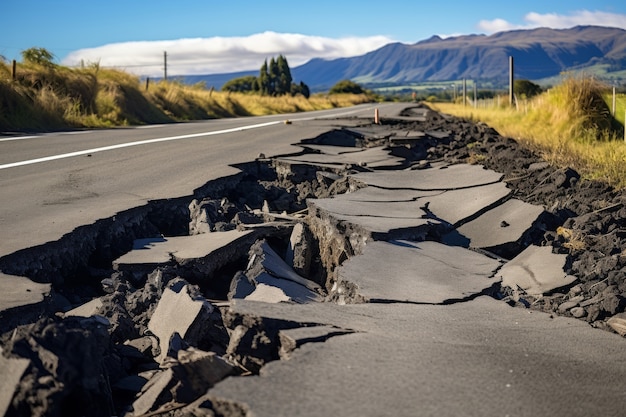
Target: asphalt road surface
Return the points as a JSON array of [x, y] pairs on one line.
[[52, 183]]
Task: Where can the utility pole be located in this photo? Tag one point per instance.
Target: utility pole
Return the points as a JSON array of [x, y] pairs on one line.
[[511, 81], [165, 65]]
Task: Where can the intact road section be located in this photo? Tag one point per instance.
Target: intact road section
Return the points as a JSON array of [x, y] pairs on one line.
[[53, 183]]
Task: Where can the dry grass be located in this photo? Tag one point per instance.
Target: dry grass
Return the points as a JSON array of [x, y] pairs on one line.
[[570, 125], [572, 240], [55, 97]]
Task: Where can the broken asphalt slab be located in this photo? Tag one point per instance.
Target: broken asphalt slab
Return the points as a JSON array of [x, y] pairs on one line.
[[452, 206], [415, 272], [178, 313], [504, 224], [270, 279], [476, 358], [373, 157], [443, 177], [213, 250], [12, 370], [536, 271], [21, 291]]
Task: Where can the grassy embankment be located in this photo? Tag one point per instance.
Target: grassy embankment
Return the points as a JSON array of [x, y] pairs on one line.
[[569, 125], [55, 97]]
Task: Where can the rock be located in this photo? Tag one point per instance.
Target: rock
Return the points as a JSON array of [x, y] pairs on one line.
[[145, 345], [240, 286], [618, 323], [68, 373], [613, 304], [202, 215], [571, 303], [299, 251], [185, 379], [576, 289], [578, 312]]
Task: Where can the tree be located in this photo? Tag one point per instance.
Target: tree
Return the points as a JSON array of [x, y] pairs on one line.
[[242, 84], [264, 80], [273, 76], [283, 83], [526, 88], [274, 80], [346, 86], [38, 56], [302, 88]]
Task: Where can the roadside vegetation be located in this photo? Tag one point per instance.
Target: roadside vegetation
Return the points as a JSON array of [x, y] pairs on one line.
[[46, 96], [569, 125]]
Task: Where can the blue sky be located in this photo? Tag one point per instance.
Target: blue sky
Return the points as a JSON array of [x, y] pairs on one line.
[[207, 36]]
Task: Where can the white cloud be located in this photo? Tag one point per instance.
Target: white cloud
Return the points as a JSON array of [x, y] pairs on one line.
[[221, 54], [556, 21]]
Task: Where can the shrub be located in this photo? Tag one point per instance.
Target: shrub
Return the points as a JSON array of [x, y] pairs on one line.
[[346, 86]]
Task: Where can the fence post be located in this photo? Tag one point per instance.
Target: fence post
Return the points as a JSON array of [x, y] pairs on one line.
[[475, 95], [511, 80], [613, 109], [14, 70], [147, 83], [464, 92]]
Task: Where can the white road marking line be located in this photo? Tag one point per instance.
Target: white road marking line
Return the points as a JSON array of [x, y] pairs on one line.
[[145, 142], [127, 145], [18, 138]]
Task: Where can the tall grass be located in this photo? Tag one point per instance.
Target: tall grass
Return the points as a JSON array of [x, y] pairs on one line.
[[569, 125], [51, 97]]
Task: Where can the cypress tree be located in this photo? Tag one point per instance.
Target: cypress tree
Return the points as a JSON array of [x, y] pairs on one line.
[[273, 77], [283, 85], [264, 80]]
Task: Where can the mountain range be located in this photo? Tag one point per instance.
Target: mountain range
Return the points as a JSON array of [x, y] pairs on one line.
[[538, 54]]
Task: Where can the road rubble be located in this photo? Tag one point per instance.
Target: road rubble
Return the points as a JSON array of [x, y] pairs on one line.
[[371, 272]]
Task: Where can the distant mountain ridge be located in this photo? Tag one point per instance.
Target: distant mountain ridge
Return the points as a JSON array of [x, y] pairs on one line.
[[538, 53]]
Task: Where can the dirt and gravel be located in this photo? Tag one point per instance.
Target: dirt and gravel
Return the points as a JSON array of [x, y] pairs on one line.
[[97, 363]]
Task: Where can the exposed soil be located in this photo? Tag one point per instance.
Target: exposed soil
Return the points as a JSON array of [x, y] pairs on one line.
[[589, 217]]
